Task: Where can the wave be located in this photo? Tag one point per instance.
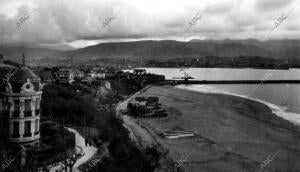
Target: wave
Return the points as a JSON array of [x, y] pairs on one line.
[[276, 109]]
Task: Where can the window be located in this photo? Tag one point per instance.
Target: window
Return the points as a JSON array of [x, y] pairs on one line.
[[16, 105], [36, 125], [16, 129], [16, 112], [37, 103], [27, 105], [27, 131], [27, 111], [9, 105]]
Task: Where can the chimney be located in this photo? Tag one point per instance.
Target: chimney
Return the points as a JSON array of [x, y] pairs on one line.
[[23, 60]]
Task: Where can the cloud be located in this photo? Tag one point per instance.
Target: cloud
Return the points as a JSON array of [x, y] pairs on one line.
[[267, 5], [78, 22]]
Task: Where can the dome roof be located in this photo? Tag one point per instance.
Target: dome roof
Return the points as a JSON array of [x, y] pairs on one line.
[[16, 73], [2, 65], [21, 79], [22, 74], [18, 79], [5, 70]]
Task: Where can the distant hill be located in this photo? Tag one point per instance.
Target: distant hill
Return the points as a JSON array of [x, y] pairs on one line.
[[158, 50], [33, 55], [62, 47]]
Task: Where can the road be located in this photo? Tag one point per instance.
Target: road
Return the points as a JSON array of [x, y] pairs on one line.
[[136, 133], [88, 151]]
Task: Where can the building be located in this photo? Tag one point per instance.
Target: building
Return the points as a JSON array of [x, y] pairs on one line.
[[65, 75], [101, 74], [146, 107], [78, 74], [20, 97], [139, 71], [44, 75]]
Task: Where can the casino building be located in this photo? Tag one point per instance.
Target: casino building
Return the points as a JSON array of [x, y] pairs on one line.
[[20, 97]]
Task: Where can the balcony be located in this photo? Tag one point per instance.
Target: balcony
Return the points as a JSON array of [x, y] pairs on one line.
[[16, 114], [27, 113], [27, 135], [15, 135]]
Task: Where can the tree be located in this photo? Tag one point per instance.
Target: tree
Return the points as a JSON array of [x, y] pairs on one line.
[[70, 159]]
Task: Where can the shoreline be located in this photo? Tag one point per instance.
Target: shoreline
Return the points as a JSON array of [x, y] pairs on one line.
[[276, 109], [228, 136]]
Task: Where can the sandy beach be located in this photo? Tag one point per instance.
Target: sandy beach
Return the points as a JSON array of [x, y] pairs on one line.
[[231, 136]]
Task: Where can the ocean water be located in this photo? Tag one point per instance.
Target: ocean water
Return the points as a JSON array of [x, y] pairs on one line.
[[283, 99]]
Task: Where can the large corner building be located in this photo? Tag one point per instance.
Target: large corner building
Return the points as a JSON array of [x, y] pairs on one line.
[[20, 97]]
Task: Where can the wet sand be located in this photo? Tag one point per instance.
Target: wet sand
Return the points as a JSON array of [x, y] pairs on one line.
[[233, 133]]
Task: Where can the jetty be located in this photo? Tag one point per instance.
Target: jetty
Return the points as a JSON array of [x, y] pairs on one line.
[[175, 82]]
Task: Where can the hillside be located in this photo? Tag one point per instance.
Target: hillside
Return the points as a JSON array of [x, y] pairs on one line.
[[157, 50]]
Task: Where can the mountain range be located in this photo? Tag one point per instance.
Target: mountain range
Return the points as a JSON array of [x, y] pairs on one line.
[[156, 50]]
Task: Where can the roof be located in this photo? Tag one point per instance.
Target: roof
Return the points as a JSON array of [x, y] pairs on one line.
[[5, 70], [18, 74], [44, 74], [2, 65], [65, 70], [24, 73], [9, 70]]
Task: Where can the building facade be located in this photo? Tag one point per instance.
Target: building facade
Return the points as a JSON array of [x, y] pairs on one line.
[[20, 97], [65, 75], [78, 74]]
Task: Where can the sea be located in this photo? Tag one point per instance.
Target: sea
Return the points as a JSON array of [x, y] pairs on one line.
[[283, 99]]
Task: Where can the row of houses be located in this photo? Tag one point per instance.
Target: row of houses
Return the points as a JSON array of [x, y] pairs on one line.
[[70, 75]]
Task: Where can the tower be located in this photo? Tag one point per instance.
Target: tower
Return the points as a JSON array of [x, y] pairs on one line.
[[20, 97]]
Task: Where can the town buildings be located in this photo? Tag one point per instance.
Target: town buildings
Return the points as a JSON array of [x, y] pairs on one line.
[[65, 75], [78, 74]]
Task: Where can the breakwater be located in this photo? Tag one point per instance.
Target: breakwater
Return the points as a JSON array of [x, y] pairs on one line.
[[175, 82]]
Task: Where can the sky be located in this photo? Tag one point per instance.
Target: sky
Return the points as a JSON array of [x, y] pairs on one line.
[[81, 23]]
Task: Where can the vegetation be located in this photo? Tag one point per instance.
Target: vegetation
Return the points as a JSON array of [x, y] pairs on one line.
[[67, 106], [56, 145], [132, 83], [79, 108], [124, 155]]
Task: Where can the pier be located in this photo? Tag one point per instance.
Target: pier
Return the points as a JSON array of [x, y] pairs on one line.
[[188, 79], [172, 82]]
